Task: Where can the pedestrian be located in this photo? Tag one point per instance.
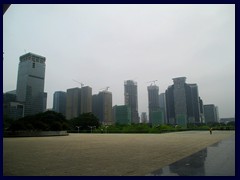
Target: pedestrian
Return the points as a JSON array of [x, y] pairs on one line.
[[210, 130]]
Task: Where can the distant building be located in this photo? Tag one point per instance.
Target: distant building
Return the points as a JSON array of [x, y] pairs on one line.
[[144, 117], [11, 108], [131, 99], [153, 101], [227, 120], [157, 117], [59, 102], [210, 113], [30, 83], [102, 107], [86, 99], [182, 102], [202, 118], [73, 103], [162, 103], [122, 114]]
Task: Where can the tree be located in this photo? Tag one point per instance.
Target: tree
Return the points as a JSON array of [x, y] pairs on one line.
[[84, 121]]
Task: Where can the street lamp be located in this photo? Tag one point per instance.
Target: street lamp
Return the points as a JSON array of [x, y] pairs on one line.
[[106, 128], [92, 127], [78, 128]]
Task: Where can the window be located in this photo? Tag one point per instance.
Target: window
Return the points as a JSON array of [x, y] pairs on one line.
[[33, 65]]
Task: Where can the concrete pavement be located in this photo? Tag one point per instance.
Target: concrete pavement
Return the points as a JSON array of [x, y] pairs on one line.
[[102, 154]]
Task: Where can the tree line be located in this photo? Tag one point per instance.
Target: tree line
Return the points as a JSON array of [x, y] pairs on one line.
[[88, 122]]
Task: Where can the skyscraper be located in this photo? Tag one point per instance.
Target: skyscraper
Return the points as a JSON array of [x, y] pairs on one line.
[[131, 99], [102, 107], [153, 101], [30, 83], [59, 102], [86, 99], [73, 103], [182, 101], [162, 103]]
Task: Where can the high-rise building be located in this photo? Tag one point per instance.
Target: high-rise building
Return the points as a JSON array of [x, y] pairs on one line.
[[182, 101], [59, 102], [202, 118], [210, 113], [153, 101], [163, 108], [122, 114], [30, 83], [192, 103], [86, 99], [144, 117], [73, 103], [131, 99], [102, 107]]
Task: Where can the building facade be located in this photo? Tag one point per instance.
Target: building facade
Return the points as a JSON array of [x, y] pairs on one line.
[[131, 99], [162, 103], [73, 103], [102, 107], [11, 108], [86, 100], [144, 117], [30, 83], [182, 102], [210, 113], [122, 114], [59, 102], [153, 101]]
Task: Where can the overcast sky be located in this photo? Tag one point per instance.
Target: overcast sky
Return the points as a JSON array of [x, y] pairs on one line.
[[104, 45]]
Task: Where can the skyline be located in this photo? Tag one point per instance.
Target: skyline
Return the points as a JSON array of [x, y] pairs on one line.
[[104, 45]]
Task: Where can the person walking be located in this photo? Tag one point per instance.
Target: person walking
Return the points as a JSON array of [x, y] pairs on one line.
[[210, 130]]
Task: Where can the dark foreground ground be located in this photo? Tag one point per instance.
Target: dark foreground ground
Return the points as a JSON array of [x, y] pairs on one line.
[[180, 153]]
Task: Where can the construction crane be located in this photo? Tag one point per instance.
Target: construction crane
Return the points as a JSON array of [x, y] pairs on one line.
[[152, 82], [79, 83], [106, 88]]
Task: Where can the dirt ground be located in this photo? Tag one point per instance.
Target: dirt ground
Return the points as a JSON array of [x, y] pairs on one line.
[[101, 154]]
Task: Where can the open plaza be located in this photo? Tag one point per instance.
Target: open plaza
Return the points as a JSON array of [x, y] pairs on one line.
[[105, 154]]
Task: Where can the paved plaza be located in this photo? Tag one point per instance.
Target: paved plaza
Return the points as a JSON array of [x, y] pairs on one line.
[[103, 154]]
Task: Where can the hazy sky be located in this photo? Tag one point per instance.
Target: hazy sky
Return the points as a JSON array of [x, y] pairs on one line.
[[103, 45]]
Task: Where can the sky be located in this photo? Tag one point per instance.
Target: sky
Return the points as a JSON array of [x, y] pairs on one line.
[[104, 45]]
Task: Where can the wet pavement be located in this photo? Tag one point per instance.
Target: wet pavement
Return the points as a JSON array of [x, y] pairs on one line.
[[215, 160]]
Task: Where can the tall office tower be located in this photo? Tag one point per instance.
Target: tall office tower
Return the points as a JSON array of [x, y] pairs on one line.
[[30, 83], [182, 102], [202, 118], [210, 113], [153, 101], [131, 99], [122, 114], [162, 103], [59, 102], [144, 117], [192, 103], [86, 99], [102, 107], [73, 103]]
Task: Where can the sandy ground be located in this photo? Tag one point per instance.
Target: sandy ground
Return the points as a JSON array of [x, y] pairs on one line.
[[101, 154]]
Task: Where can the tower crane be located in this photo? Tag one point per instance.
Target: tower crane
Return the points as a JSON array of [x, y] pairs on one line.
[[79, 83], [152, 82], [106, 88]]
